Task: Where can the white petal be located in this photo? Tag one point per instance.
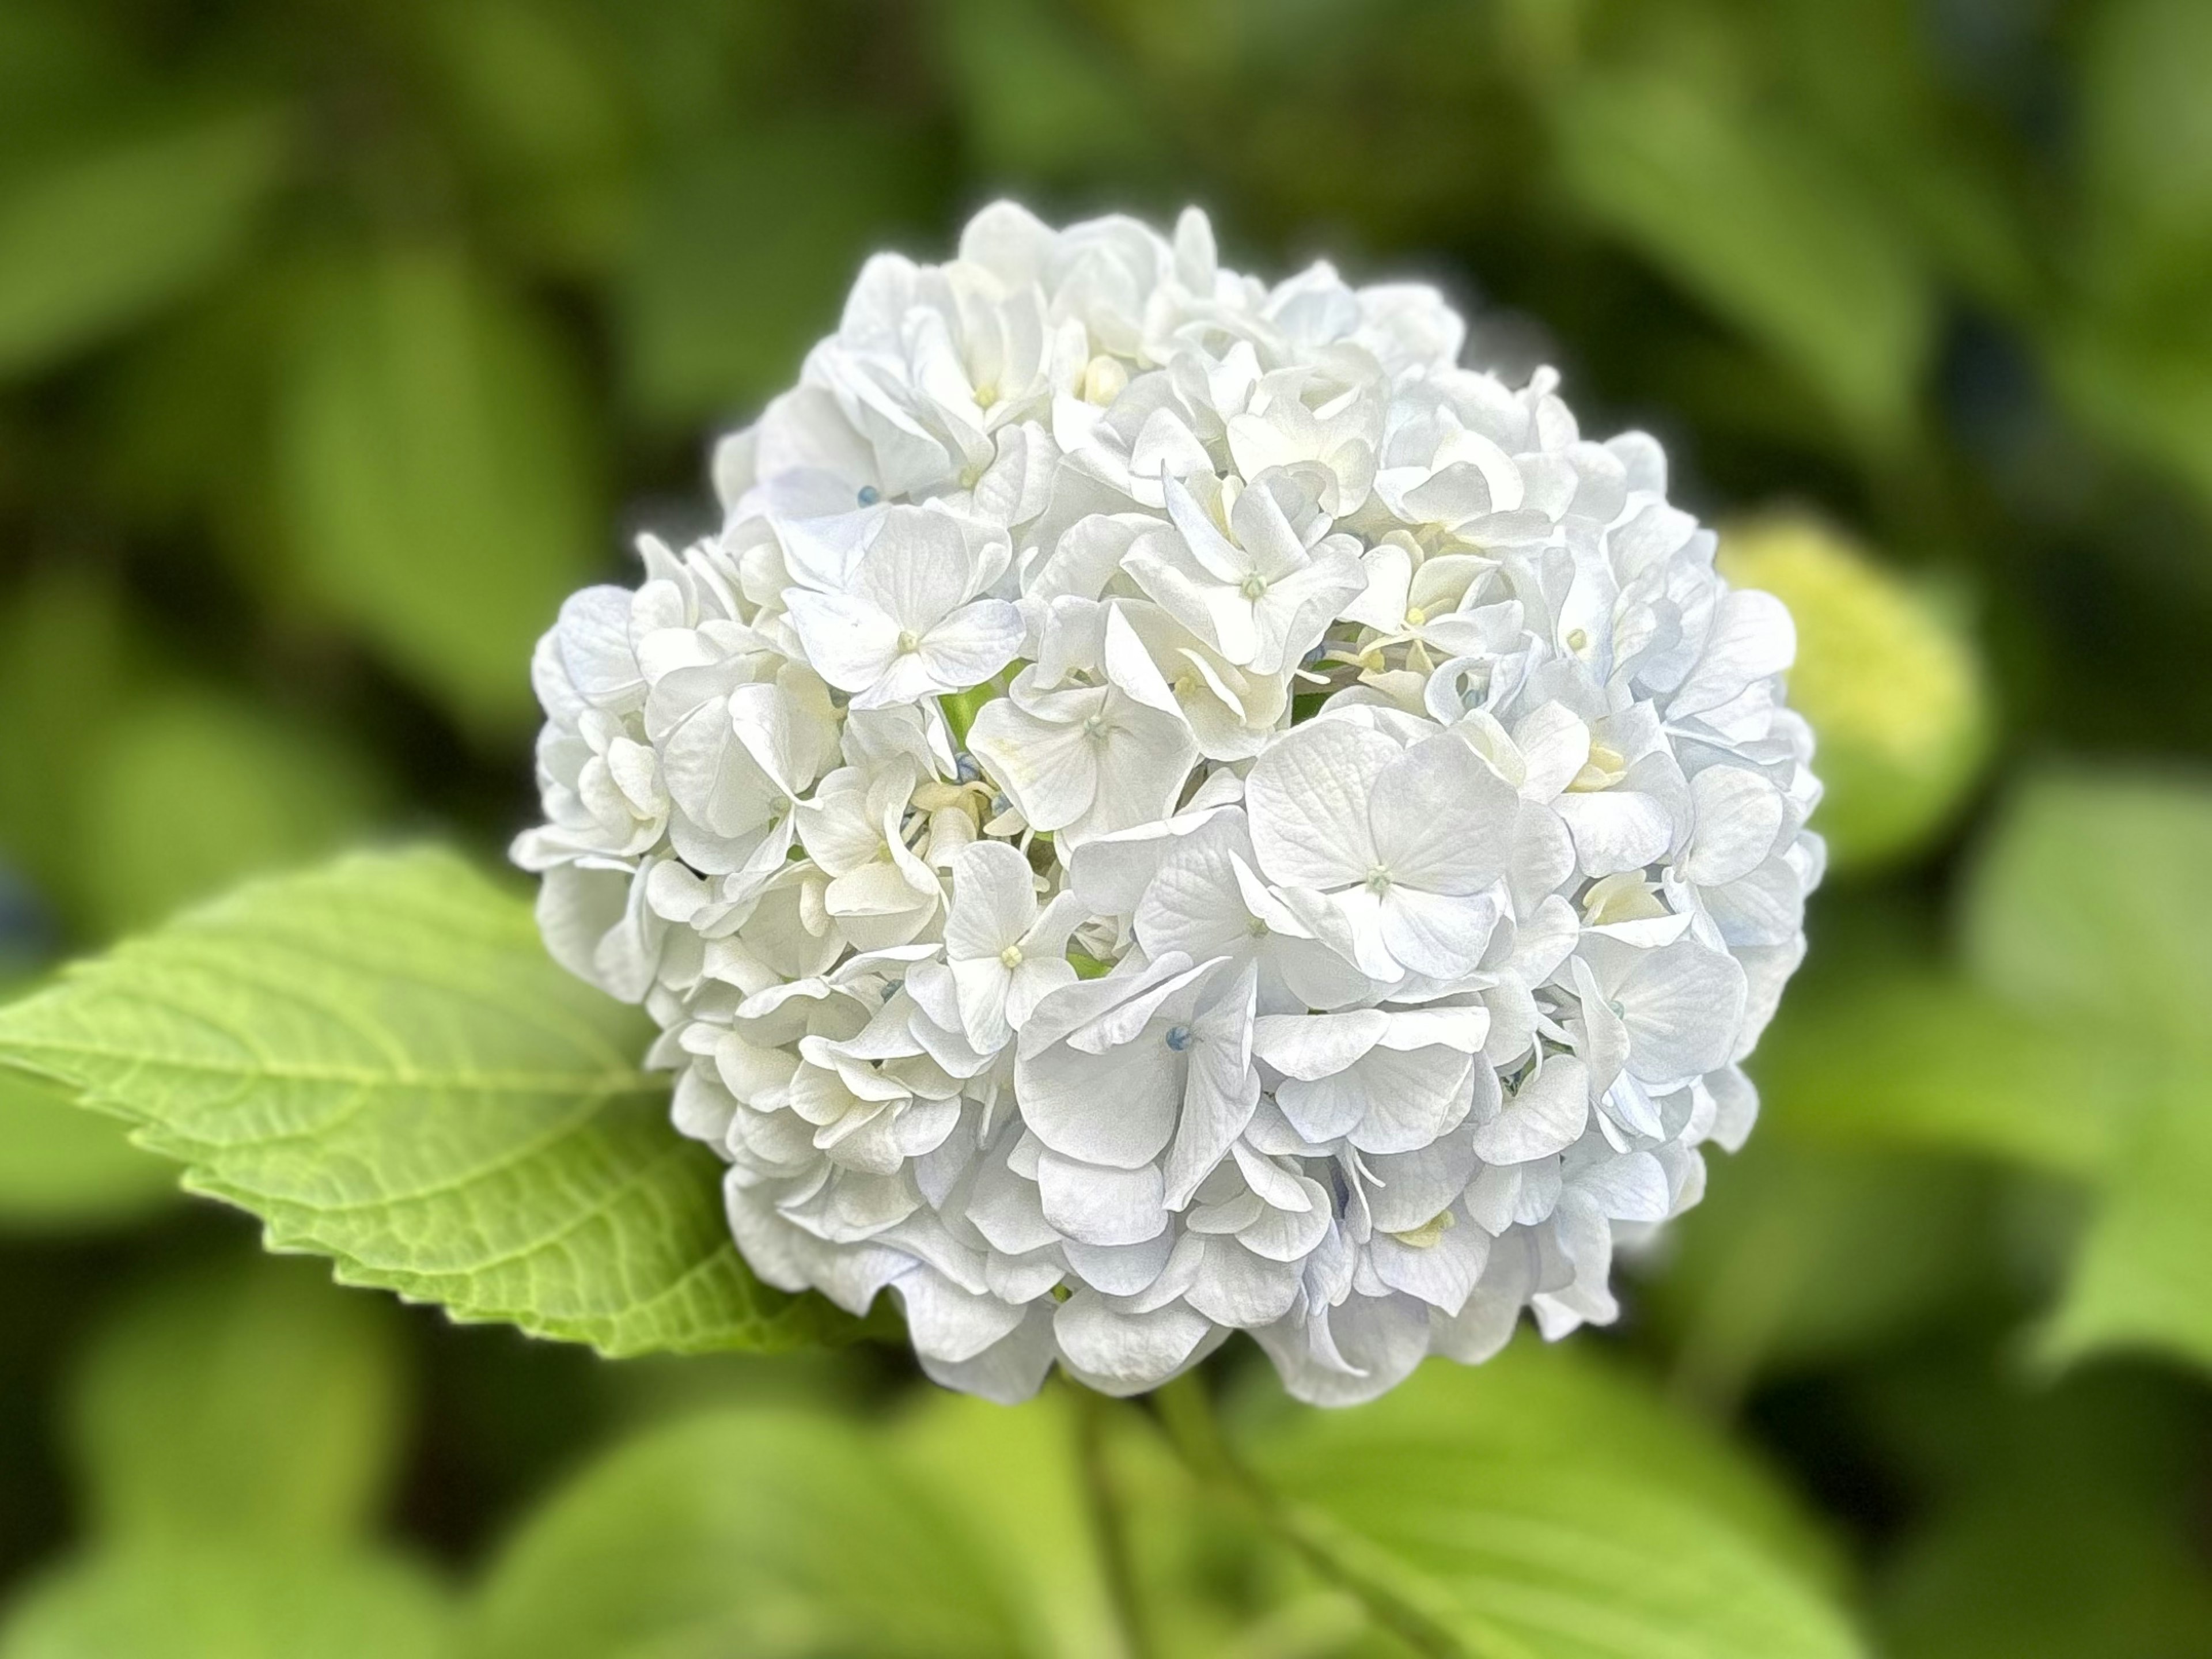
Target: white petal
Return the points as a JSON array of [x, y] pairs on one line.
[[1049, 771], [1101, 1206], [972, 644], [916, 569], [1616, 829], [1682, 1006], [994, 900], [1126, 1353], [848, 641], [1430, 934], [947, 1322], [1308, 798], [1311, 1046], [1544, 1116], [1737, 814]]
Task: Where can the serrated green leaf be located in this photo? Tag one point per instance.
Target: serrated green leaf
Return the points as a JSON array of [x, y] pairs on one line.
[[96, 242], [762, 1532], [255, 1400], [64, 1169], [229, 1600], [1750, 216], [1535, 1509], [378, 1060], [440, 483]]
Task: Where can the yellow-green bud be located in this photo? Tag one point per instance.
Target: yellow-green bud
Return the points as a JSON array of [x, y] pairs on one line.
[[1892, 684]]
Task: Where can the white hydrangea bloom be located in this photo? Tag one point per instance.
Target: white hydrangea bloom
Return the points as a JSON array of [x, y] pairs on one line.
[[1170, 807]]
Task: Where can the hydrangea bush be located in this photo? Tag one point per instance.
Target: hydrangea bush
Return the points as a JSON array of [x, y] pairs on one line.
[[1171, 807]]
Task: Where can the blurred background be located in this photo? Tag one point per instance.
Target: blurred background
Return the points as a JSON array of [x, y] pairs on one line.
[[339, 339]]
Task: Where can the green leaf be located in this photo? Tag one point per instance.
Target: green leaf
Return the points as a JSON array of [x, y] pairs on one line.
[[228, 1600], [2132, 353], [1042, 97], [2090, 910], [1749, 214], [1537, 1508], [2143, 384], [2092, 901], [438, 475], [528, 87], [255, 1400], [1803, 1254], [68, 660], [2143, 1276], [2052, 1522], [94, 242], [1017, 1478], [748, 240], [1893, 1051], [378, 1060], [192, 791], [2046, 1579], [762, 1532], [63, 1169], [2146, 140]]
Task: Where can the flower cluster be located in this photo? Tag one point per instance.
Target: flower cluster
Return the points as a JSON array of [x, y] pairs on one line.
[[1169, 807]]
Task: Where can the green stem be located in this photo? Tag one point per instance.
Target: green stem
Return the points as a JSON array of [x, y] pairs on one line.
[[1109, 1519], [1185, 1409]]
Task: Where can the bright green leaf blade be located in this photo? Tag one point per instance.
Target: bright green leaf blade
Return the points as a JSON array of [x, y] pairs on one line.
[[64, 1169], [378, 1060], [1533, 1510], [1766, 229], [439, 479], [2092, 904], [94, 244], [762, 1532], [191, 792], [257, 1400], [231, 1600]]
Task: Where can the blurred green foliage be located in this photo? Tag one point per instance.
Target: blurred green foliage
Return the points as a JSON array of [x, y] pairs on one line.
[[339, 340]]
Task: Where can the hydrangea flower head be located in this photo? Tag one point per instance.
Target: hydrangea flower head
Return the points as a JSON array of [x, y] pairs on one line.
[[1170, 806]]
